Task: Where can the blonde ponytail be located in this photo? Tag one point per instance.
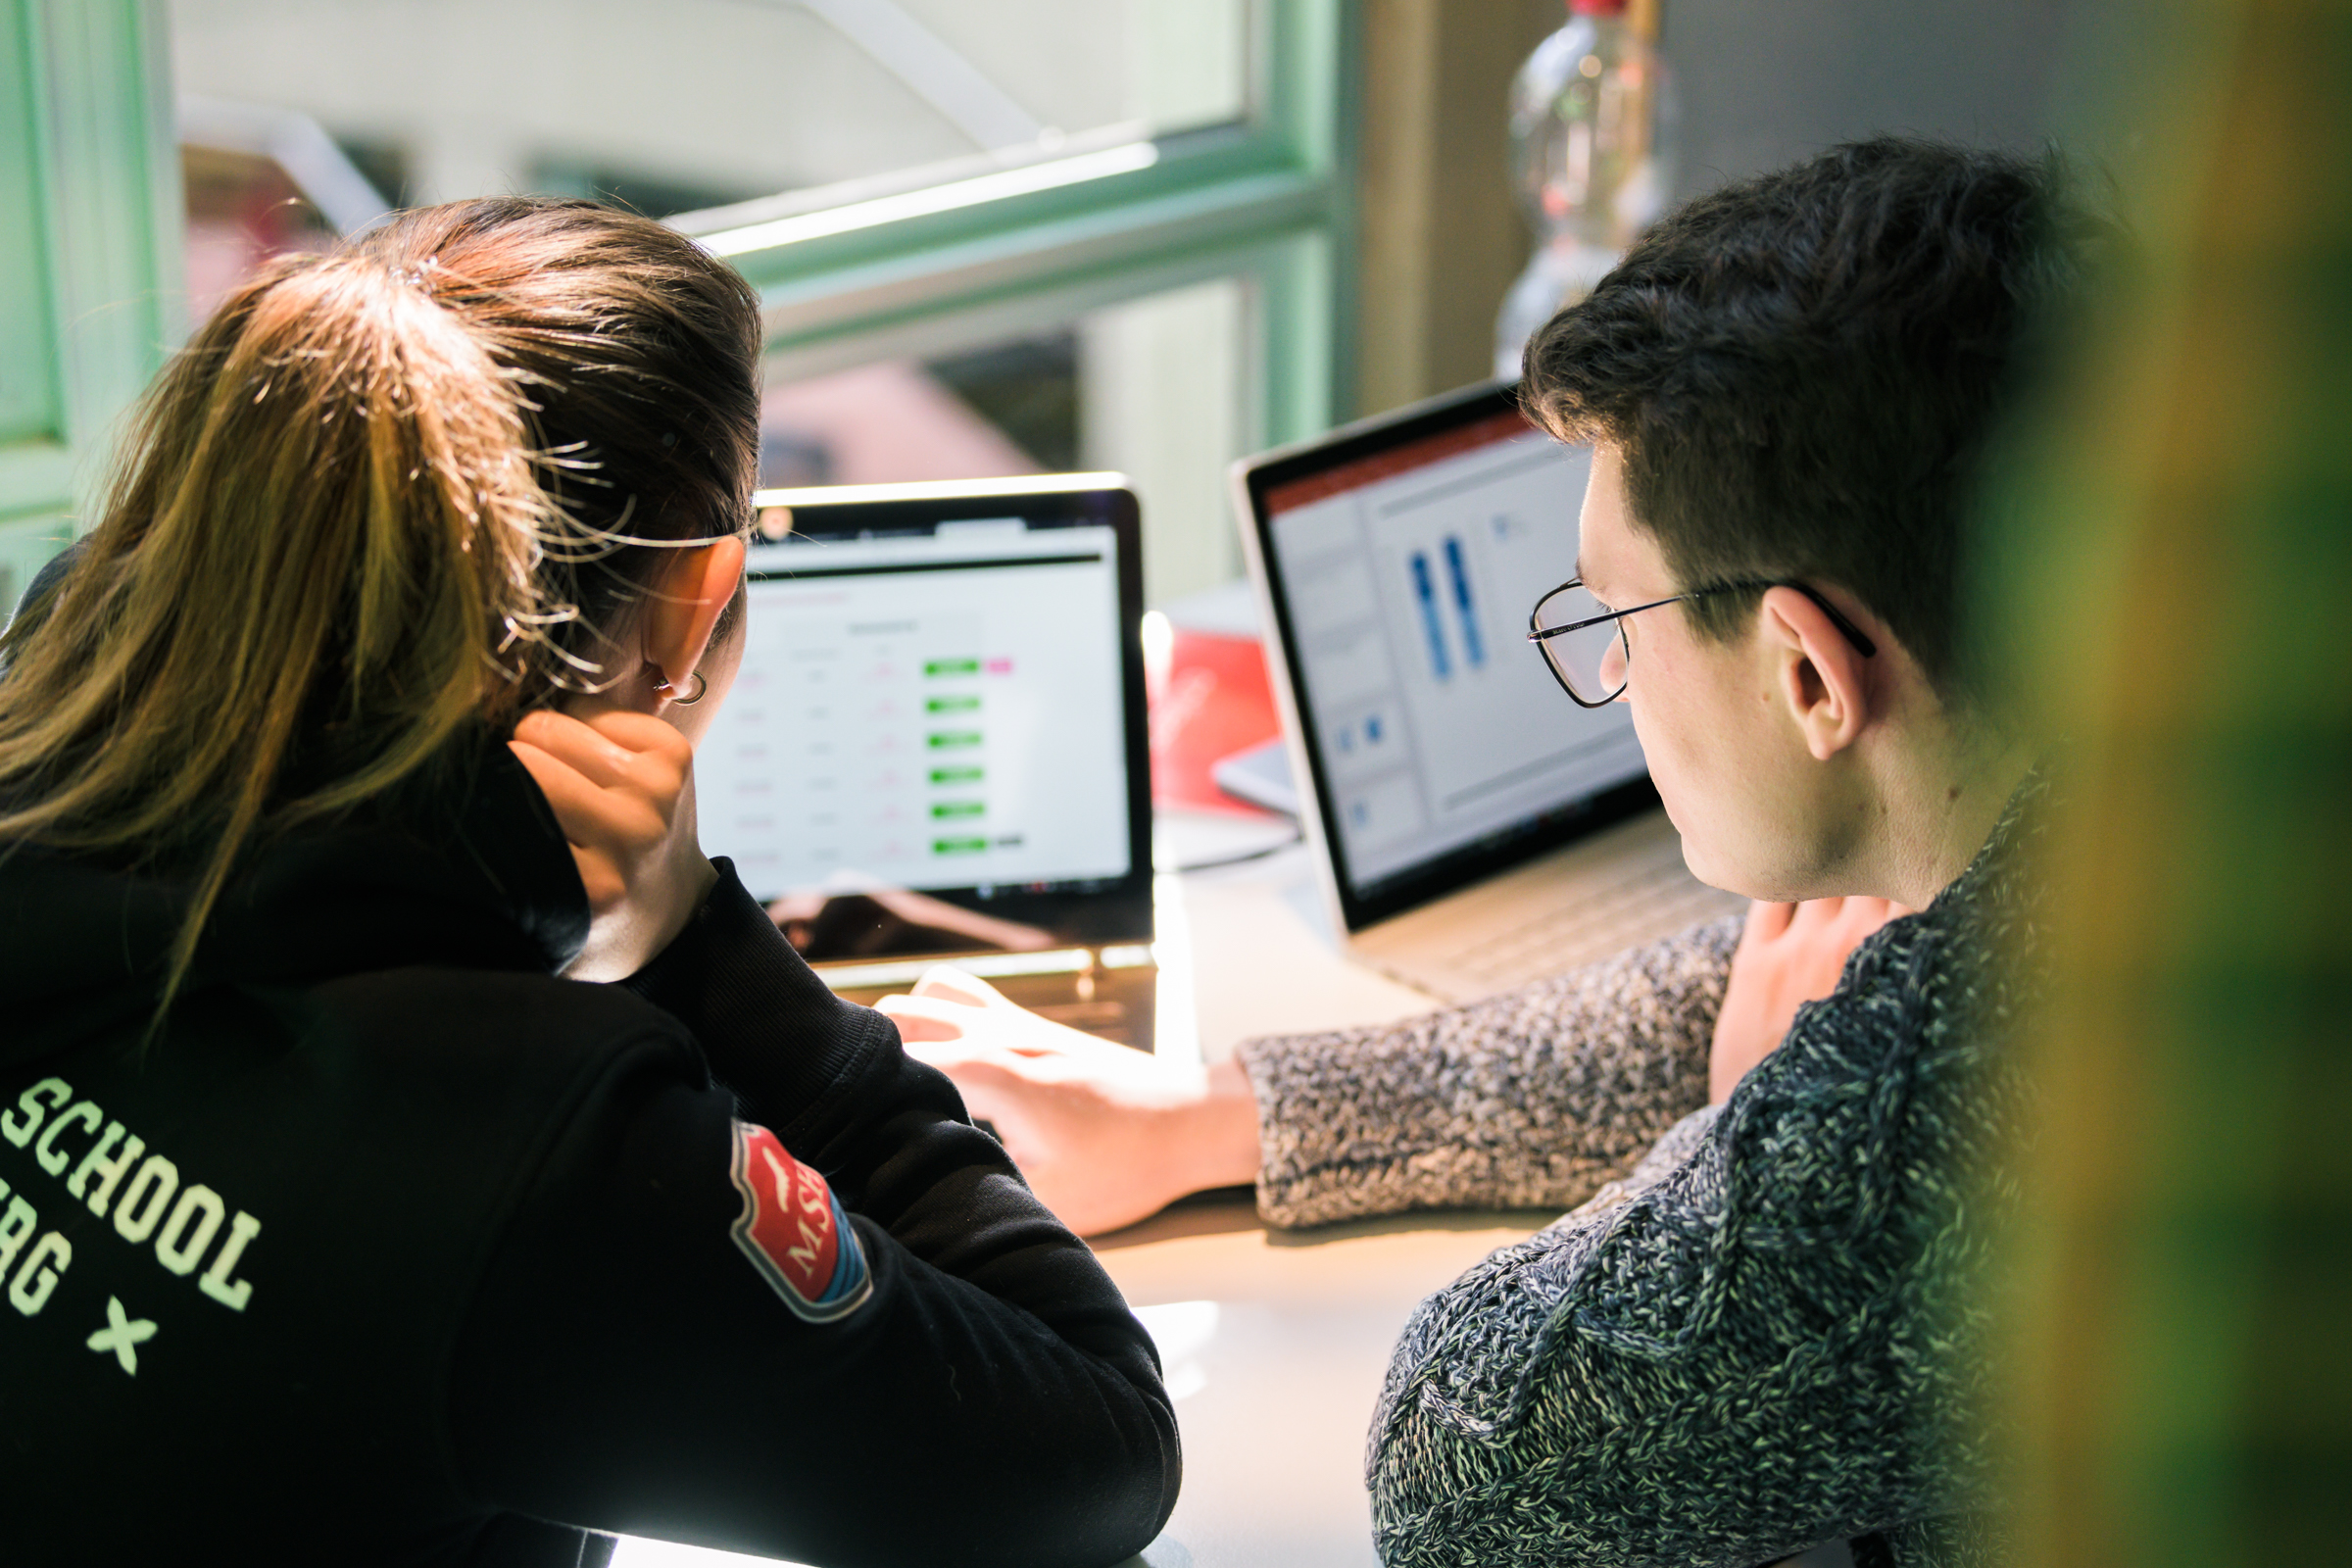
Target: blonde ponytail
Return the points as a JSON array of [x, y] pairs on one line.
[[372, 506]]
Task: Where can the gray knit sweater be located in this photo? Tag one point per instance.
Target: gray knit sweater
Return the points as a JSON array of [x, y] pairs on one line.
[[1529, 1100], [1764, 1335]]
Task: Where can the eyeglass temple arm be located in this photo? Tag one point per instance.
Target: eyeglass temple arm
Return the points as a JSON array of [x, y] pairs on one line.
[[1535, 636], [1851, 632]]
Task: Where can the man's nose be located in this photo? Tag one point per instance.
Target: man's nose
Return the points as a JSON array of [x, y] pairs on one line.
[[1612, 663]]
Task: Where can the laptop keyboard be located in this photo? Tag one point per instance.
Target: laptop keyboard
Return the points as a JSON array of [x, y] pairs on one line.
[[1649, 902]]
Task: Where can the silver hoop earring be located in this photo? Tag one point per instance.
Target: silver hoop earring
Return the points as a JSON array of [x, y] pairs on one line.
[[700, 687]]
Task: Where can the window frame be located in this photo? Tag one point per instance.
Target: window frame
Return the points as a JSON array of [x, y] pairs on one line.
[[91, 279], [1020, 243]]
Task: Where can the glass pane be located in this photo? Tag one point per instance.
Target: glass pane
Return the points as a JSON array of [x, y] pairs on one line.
[[683, 105], [1151, 388], [1590, 657]]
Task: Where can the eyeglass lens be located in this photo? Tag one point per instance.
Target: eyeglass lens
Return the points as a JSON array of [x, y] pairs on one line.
[[1592, 662]]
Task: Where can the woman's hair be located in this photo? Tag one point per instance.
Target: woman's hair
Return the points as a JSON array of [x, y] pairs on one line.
[[384, 498]]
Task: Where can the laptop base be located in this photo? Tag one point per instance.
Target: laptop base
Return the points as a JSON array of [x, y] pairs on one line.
[[1622, 887], [1115, 1001]]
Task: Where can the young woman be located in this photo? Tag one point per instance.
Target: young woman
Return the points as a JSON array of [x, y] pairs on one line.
[[339, 1220]]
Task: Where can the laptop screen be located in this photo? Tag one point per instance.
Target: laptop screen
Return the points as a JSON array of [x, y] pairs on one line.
[[937, 699], [1403, 562]]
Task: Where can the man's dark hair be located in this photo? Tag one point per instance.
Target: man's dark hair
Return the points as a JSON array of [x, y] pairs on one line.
[[1804, 372]]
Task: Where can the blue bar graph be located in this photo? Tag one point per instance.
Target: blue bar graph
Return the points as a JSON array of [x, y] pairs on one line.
[[1425, 591], [1474, 647]]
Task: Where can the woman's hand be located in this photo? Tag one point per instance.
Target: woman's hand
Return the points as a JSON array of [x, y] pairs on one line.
[[622, 787], [1104, 1135], [1788, 954]]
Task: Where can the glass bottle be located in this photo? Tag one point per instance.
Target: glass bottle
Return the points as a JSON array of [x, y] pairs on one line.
[[1593, 129]]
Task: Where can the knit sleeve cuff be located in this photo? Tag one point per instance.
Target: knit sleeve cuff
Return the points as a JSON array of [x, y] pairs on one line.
[[1528, 1099], [1303, 1176]]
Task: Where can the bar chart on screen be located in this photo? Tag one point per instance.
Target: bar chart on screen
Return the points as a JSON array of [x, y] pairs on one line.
[[1433, 720]]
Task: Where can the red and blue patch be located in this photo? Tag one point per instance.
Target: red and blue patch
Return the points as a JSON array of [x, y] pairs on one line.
[[794, 1231]]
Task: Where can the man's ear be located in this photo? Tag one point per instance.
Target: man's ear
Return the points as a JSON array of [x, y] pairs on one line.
[[1823, 678], [691, 593]]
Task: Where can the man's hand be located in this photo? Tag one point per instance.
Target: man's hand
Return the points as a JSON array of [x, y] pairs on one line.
[[622, 788], [1104, 1135], [1788, 954]]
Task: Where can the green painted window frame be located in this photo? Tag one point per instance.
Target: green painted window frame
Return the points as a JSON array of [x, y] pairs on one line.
[[90, 283], [1086, 225], [1266, 201]]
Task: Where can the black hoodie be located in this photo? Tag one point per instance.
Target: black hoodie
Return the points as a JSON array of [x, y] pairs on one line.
[[392, 1246]]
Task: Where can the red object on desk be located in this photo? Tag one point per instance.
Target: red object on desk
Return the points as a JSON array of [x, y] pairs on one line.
[[1214, 701]]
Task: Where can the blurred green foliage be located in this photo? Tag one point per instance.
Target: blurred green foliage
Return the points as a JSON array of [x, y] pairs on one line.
[[2171, 590]]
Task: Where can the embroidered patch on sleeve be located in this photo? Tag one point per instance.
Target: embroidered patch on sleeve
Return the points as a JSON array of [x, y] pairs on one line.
[[794, 1231]]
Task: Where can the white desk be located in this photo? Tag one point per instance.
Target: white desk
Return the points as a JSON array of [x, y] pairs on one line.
[[1262, 958], [1274, 1402], [1276, 1366]]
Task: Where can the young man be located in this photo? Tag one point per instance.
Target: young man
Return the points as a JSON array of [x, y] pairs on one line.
[[1766, 1333]]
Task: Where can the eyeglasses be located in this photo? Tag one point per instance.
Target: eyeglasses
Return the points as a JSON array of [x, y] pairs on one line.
[[1583, 640]]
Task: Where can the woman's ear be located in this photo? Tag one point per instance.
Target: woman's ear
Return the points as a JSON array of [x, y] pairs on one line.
[[694, 590]]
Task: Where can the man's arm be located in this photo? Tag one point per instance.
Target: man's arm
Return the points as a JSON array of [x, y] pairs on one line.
[[1529, 1100], [1536, 1097]]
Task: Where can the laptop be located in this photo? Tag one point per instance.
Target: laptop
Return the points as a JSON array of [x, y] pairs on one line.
[[936, 748], [1473, 828]]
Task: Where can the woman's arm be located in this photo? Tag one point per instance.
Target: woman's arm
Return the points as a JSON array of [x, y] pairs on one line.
[[808, 1310], [681, 1334]]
